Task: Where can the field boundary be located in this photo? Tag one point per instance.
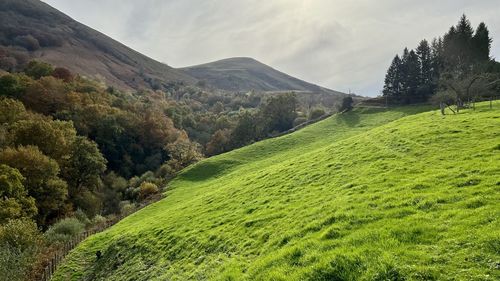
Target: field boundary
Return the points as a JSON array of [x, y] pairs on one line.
[[57, 257]]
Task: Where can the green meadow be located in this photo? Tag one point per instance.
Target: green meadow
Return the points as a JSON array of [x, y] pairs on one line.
[[373, 194]]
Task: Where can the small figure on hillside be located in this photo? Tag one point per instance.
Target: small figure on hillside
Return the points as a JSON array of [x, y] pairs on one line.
[[98, 255]]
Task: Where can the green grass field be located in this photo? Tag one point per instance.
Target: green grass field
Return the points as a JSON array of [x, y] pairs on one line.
[[368, 195]]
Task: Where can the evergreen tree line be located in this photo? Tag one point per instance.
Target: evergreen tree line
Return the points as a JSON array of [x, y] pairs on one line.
[[419, 74]]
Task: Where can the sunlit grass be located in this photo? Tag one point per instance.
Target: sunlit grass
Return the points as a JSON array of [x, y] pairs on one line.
[[368, 195]]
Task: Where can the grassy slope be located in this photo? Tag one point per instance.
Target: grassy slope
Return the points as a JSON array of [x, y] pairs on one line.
[[355, 196]]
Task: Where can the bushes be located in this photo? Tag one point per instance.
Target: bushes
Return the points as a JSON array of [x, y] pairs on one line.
[[20, 241], [38, 69], [21, 234], [27, 41], [64, 230], [147, 190], [63, 74], [316, 113]]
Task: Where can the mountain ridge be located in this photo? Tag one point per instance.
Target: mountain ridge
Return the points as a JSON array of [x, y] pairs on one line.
[[244, 74], [52, 36]]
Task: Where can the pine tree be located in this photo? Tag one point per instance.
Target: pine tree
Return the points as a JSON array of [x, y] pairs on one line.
[[458, 52], [427, 79], [437, 57], [425, 59], [482, 43], [412, 78], [403, 70], [392, 85]]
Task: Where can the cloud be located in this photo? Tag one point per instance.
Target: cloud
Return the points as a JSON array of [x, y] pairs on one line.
[[337, 44]]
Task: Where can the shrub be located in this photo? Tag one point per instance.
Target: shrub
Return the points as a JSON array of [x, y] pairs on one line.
[[64, 230], [10, 86], [88, 202], [8, 63], [38, 69], [316, 113], [126, 207], [98, 220], [27, 41], [63, 74], [20, 241], [21, 234], [148, 189], [82, 217]]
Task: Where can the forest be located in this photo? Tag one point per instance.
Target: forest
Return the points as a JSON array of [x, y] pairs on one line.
[[453, 69], [75, 153]]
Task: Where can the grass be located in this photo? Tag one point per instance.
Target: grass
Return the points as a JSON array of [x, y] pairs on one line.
[[368, 195]]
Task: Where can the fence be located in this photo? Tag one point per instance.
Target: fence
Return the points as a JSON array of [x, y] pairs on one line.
[[63, 251], [300, 126]]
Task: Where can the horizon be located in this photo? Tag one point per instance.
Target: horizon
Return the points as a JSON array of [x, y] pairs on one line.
[[330, 44]]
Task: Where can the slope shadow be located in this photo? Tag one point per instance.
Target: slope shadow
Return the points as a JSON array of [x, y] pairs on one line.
[[351, 119], [208, 169]]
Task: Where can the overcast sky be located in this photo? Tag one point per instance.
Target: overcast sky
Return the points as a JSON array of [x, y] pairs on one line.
[[338, 44]]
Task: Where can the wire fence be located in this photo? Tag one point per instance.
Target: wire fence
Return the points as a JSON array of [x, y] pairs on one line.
[[300, 126], [59, 255]]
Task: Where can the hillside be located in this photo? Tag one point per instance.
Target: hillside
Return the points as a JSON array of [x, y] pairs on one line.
[[52, 36], [245, 74], [31, 29], [367, 195]]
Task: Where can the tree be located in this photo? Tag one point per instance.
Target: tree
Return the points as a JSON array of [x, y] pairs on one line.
[[346, 105], [279, 112], [467, 89], [248, 129], [11, 111], [457, 48], [15, 203], [482, 43], [424, 53], [38, 69], [10, 86], [63, 74], [437, 58], [219, 142], [392, 85], [83, 168], [42, 180], [53, 138], [411, 81], [183, 152]]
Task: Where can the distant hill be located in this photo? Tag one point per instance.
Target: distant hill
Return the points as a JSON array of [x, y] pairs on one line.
[[31, 29], [243, 74], [49, 35]]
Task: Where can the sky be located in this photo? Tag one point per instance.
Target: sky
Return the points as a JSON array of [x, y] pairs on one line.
[[342, 45]]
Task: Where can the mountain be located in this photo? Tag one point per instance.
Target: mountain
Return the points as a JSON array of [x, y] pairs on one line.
[[372, 194], [33, 29], [243, 74]]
